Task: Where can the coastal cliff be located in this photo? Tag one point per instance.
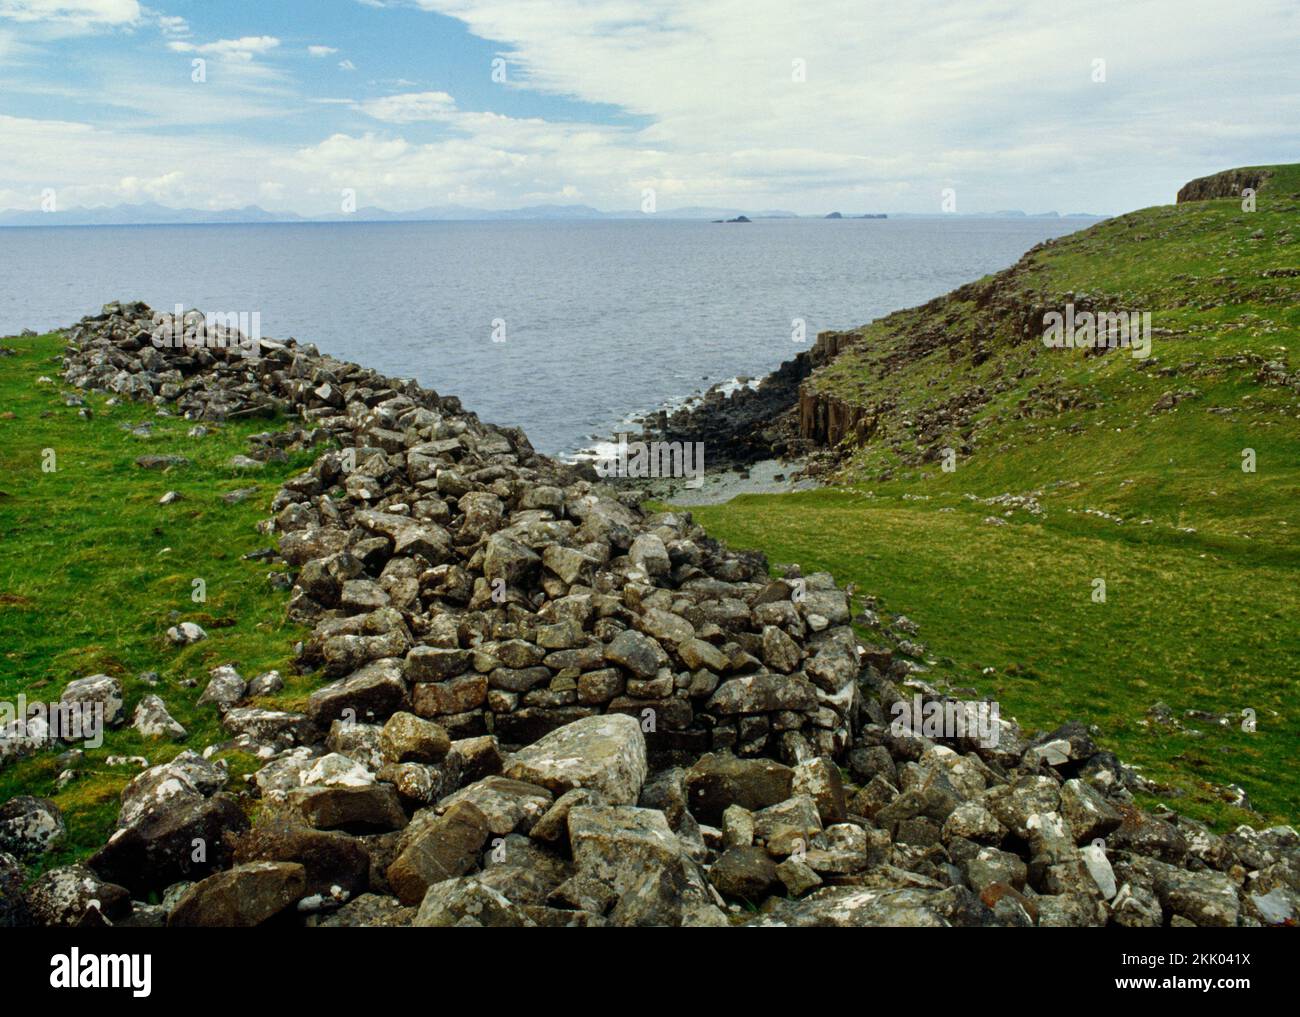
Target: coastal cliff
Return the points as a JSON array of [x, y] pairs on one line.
[[967, 370]]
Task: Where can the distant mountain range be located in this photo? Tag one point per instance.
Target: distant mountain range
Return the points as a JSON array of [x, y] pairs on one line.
[[151, 213]]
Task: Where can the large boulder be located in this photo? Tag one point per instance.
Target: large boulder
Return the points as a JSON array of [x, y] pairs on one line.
[[744, 873], [370, 808], [763, 693], [605, 753], [510, 806], [671, 895], [506, 559], [639, 653], [337, 866], [373, 692], [242, 897], [30, 826], [442, 847], [74, 897], [718, 780], [152, 720], [182, 839], [615, 845], [277, 729], [847, 907], [469, 902], [407, 738], [23, 737], [226, 687], [187, 776]]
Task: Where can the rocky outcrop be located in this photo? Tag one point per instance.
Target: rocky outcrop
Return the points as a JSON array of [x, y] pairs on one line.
[[778, 417], [827, 420], [539, 705], [1228, 184]]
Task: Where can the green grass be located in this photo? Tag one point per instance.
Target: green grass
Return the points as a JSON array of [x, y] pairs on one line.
[[1203, 570], [1193, 628], [93, 571]]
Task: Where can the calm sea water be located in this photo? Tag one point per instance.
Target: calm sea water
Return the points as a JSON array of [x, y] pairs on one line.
[[602, 320]]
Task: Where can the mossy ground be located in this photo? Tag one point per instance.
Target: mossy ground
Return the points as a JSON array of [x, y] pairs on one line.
[[1202, 570], [93, 571]]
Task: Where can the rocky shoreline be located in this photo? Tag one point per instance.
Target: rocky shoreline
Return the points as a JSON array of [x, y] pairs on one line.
[[773, 419], [541, 705]]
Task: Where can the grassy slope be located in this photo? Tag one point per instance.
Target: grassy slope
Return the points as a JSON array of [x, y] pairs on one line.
[[93, 570], [1205, 620]]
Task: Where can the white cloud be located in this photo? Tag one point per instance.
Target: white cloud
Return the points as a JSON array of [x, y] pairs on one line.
[[237, 50], [921, 93], [992, 97], [173, 25], [162, 189], [80, 13], [410, 107], [87, 166]]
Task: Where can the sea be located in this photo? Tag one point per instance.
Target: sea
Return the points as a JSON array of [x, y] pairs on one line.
[[568, 329]]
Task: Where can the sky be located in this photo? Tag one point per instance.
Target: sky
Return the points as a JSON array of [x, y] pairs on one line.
[[810, 106]]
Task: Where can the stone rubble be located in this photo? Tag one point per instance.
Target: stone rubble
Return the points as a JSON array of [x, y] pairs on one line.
[[539, 705]]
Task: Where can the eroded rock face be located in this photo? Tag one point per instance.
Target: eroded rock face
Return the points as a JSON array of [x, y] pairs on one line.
[[537, 705]]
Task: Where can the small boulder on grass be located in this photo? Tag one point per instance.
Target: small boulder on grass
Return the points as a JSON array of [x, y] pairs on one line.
[[161, 462], [186, 633], [225, 689], [98, 690], [266, 684], [153, 720]]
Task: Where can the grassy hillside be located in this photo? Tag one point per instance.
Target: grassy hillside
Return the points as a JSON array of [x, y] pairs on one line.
[[1121, 469], [93, 571]]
